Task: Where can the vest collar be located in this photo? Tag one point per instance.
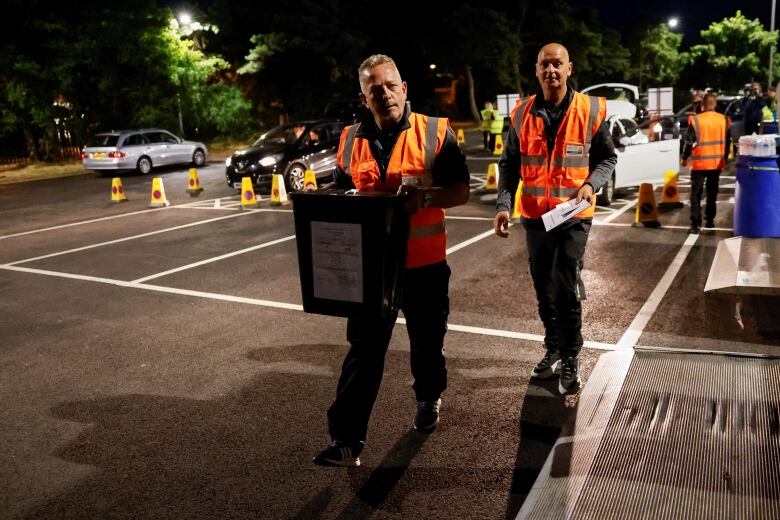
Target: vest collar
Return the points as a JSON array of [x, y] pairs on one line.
[[369, 130]]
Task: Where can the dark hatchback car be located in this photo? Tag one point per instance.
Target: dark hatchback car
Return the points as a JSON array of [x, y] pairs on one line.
[[289, 150]]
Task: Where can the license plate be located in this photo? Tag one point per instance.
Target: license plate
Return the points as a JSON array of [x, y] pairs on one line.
[[99, 155], [237, 185]]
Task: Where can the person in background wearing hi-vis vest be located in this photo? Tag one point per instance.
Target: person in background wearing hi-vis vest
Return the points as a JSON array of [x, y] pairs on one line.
[[560, 147], [396, 150], [706, 145], [491, 126]]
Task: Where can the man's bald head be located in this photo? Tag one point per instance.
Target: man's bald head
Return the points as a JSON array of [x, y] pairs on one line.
[[553, 68]]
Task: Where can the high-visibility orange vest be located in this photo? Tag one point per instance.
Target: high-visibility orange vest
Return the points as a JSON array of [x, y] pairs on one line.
[[552, 178], [709, 152], [412, 156]]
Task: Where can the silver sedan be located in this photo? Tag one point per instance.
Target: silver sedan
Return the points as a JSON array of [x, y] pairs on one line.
[[140, 150]]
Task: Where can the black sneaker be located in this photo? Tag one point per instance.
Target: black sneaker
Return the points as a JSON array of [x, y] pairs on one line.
[[427, 416], [340, 454], [694, 230], [549, 366], [570, 376], [709, 224]]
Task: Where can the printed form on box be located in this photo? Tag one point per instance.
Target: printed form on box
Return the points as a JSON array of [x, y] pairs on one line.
[[563, 212]]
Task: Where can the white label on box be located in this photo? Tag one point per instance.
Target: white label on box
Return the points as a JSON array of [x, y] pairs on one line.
[[337, 261]]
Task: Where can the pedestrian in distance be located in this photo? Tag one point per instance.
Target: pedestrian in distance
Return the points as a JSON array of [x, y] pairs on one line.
[[560, 147], [393, 149], [753, 105], [706, 144], [491, 126]]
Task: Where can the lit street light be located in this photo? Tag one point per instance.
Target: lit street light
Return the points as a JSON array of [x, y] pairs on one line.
[[185, 18], [673, 22]]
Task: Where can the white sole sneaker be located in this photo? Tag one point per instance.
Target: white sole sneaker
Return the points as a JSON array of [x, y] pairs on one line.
[[552, 371]]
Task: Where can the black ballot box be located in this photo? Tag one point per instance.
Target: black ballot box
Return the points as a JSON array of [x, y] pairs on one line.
[[351, 251]]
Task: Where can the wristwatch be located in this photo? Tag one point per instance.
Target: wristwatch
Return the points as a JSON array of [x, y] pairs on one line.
[[428, 199]]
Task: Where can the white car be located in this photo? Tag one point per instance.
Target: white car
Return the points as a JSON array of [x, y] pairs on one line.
[[644, 154], [622, 98], [140, 150]]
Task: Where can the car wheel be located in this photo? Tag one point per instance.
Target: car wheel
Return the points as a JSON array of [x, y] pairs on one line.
[[607, 193], [293, 179], [198, 158], [144, 165]]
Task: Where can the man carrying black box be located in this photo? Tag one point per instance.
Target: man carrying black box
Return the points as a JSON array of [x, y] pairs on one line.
[[395, 150]]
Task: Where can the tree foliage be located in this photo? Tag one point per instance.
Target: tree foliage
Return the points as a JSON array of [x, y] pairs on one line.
[[734, 51], [660, 59]]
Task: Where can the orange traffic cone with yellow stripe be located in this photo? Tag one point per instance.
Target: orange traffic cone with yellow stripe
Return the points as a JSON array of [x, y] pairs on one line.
[[117, 192], [670, 196], [278, 191], [248, 199], [158, 199], [193, 184], [646, 212]]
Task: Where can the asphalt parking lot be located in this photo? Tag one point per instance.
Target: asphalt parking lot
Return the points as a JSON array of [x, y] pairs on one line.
[[156, 363]]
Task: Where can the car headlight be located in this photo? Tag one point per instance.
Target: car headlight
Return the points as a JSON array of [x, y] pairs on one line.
[[228, 161], [270, 160]]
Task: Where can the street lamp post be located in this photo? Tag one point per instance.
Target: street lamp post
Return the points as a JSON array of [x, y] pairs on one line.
[[771, 47]]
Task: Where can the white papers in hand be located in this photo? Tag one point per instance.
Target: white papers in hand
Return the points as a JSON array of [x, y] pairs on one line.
[[563, 212]]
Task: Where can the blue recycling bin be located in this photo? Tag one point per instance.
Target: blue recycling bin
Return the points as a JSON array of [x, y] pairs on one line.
[[757, 198], [768, 127]]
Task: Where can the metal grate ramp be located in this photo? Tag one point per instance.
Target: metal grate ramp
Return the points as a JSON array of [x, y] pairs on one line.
[[668, 435]]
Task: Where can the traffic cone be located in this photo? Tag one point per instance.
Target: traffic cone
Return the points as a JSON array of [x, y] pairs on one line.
[[498, 149], [309, 179], [461, 137], [670, 197], [193, 184], [158, 199], [646, 212], [491, 179], [517, 211], [731, 151], [278, 191], [248, 199], [117, 192]]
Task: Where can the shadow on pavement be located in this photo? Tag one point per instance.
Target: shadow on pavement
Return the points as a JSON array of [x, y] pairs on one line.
[[543, 416]]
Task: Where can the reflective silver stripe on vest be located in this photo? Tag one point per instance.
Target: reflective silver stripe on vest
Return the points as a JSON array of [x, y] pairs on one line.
[[696, 126], [594, 113], [712, 143], [519, 115], [426, 231], [705, 157], [563, 193], [533, 160], [571, 162], [349, 143], [431, 131], [534, 191]]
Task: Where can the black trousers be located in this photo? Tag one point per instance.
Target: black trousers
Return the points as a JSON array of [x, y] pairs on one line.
[[489, 140], [698, 178], [555, 259], [426, 305]]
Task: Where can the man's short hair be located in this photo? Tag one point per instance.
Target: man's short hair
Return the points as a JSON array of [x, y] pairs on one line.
[[710, 97], [373, 61]]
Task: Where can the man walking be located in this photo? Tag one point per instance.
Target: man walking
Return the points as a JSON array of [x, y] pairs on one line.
[[396, 150], [706, 145], [560, 147]]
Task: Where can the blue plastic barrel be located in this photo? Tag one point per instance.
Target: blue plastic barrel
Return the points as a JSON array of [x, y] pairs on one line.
[[769, 127], [757, 198]]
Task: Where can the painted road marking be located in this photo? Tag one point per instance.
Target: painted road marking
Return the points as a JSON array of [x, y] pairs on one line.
[[214, 259], [632, 335], [133, 237]]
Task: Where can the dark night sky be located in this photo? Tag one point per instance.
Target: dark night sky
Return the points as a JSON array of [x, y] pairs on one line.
[[694, 15]]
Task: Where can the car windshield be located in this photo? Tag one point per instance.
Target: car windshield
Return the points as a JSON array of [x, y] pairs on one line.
[[613, 93], [288, 134], [104, 140]]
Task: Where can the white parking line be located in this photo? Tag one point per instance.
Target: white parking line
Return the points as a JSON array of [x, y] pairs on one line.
[[142, 235], [470, 241], [214, 259], [632, 335], [279, 305], [619, 212]]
